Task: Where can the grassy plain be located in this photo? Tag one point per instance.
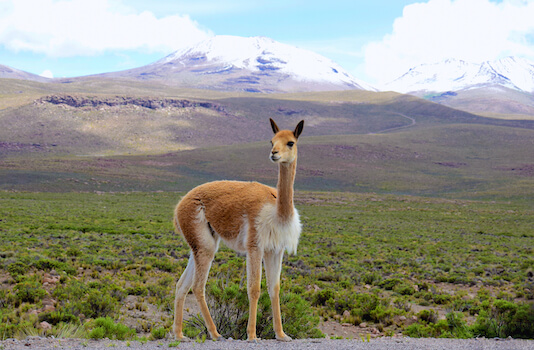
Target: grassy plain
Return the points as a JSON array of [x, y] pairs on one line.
[[428, 230], [454, 161], [362, 258]]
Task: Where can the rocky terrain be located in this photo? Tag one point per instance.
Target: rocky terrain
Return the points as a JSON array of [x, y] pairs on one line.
[[150, 103]]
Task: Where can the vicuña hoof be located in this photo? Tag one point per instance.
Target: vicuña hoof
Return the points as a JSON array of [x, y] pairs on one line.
[[285, 337], [184, 339]]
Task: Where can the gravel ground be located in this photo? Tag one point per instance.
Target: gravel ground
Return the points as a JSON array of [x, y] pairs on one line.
[[312, 344]]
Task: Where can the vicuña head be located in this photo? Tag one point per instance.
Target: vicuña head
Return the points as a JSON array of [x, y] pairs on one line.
[[249, 217], [284, 143]]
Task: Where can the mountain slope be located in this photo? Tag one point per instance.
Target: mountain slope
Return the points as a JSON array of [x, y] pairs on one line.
[[7, 72], [496, 102], [151, 122], [503, 88], [89, 137], [255, 64], [455, 75]]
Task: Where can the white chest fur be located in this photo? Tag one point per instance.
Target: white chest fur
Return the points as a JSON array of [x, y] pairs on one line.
[[274, 235]]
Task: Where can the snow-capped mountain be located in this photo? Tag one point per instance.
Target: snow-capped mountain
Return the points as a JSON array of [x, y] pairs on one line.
[[256, 64], [455, 75]]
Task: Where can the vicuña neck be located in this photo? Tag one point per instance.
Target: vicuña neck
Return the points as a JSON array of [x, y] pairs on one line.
[[284, 202]]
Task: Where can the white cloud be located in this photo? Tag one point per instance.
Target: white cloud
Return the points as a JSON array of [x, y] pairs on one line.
[[47, 74], [83, 27], [210, 7], [471, 30]]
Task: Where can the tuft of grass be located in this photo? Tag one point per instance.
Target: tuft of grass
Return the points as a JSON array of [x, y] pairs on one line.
[[69, 331]]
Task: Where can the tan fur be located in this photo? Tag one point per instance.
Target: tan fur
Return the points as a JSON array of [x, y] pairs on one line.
[[256, 219]]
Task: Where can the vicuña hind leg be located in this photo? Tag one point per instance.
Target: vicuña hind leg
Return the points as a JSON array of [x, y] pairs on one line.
[[204, 244], [254, 258], [273, 267], [182, 288], [203, 261]]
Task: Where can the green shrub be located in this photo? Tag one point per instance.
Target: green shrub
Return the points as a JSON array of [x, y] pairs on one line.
[[115, 292], [158, 333], [296, 317], [137, 290], [371, 278], [404, 289], [428, 316], [462, 305], [57, 317], [95, 299], [73, 252], [99, 304], [17, 268], [47, 265], [105, 327], [345, 284], [452, 327], [457, 325], [364, 305], [504, 318], [160, 292], [29, 291], [10, 330], [389, 284], [441, 299], [382, 314], [5, 298], [228, 304], [97, 333], [71, 290], [164, 265], [418, 330], [402, 303], [321, 297], [94, 304]]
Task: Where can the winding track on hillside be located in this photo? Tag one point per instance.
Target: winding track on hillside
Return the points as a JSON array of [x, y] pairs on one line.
[[412, 123]]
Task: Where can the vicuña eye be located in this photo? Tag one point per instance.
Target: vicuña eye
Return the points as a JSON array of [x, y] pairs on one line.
[[290, 143]]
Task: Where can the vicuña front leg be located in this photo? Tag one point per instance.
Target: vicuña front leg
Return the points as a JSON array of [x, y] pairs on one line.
[[254, 258], [273, 268]]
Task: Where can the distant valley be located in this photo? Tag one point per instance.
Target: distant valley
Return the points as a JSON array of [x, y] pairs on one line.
[[148, 129], [112, 135]]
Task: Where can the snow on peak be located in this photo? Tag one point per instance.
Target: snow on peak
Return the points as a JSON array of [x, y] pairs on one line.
[[261, 54], [453, 75]]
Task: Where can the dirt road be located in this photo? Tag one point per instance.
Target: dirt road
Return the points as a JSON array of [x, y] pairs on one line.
[[301, 344]]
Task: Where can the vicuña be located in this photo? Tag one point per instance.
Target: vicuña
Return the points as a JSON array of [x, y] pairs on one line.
[[249, 217]]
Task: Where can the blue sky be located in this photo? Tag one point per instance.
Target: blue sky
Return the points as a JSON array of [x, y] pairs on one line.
[[376, 40]]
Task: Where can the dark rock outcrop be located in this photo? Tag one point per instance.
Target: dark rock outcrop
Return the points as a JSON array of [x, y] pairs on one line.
[[145, 102]]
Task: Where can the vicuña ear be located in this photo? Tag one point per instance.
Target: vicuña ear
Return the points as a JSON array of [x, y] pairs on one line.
[[298, 129], [274, 126]]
